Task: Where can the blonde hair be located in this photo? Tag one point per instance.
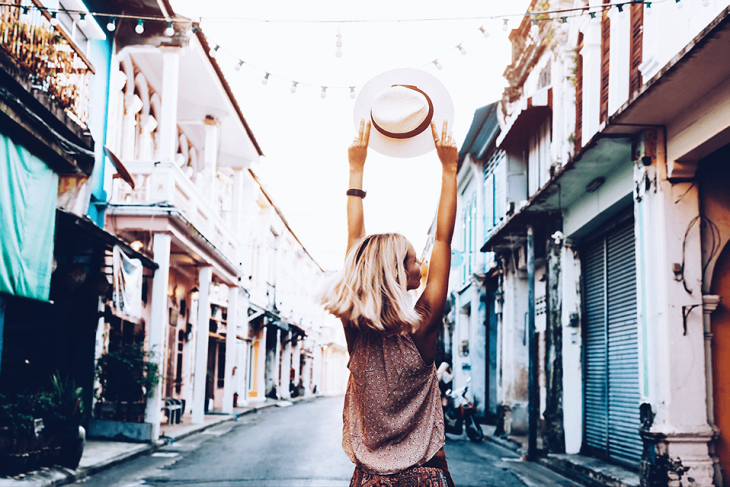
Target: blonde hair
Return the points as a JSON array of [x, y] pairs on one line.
[[372, 286]]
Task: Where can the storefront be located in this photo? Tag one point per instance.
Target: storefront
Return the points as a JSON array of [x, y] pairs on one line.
[[610, 341]]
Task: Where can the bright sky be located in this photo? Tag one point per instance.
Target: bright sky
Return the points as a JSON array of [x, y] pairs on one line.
[[305, 138]]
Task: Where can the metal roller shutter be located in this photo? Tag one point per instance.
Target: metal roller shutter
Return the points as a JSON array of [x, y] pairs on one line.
[[611, 358]]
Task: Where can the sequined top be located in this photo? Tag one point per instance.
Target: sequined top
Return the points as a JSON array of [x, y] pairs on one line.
[[392, 416]]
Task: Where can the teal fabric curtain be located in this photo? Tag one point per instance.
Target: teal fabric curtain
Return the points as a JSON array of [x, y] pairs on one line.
[[28, 191]]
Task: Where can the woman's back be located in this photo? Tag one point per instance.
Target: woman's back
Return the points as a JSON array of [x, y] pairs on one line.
[[392, 416]]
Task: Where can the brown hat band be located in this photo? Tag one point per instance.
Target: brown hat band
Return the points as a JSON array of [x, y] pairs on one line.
[[416, 131]]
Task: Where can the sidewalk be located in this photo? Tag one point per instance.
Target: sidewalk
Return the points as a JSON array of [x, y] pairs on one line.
[[102, 454], [580, 468]]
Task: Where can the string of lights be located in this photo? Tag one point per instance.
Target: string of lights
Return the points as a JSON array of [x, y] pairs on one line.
[[192, 27]]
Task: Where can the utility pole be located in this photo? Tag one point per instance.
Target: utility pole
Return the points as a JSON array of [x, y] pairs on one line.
[[533, 407]]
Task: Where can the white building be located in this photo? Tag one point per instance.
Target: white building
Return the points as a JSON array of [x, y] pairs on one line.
[[229, 315]]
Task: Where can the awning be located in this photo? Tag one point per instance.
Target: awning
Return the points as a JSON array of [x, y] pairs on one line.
[[525, 122], [119, 165], [83, 229], [482, 133], [272, 318], [593, 162], [298, 330]]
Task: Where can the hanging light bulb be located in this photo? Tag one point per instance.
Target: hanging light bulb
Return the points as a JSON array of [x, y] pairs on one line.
[[647, 10], [54, 19], [534, 28], [461, 50], [484, 32], [594, 19], [323, 94], [25, 8], [352, 92], [139, 28], [214, 52], [169, 30], [191, 32], [437, 64], [294, 86], [621, 11], [564, 26], [82, 20], [705, 3], [679, 3], [238, 66], [265, 80], [111, 25], [505, 26]]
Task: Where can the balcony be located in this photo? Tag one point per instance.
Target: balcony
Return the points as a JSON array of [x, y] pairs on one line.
[[52, 62], [166, 183]]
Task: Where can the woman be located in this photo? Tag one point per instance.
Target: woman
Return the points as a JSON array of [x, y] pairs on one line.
[[393, 422]]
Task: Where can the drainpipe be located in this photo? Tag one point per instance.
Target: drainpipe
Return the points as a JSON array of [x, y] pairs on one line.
[[533, 407]]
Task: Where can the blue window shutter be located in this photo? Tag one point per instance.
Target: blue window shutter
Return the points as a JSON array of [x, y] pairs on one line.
[[489, 203]]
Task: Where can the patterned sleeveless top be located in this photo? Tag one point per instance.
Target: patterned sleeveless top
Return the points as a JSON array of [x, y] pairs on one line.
[[392, 416]]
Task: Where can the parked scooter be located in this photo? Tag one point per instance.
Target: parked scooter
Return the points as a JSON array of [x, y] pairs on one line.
[[458, 412]]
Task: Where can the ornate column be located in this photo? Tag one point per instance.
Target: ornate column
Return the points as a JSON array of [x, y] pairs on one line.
[[205, 277], [231, 331], [710, 303], [158, 326]]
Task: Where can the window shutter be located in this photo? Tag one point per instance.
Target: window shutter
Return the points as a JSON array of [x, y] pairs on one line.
[[637, 46], [605, 61], [579, 94], [489, 218]]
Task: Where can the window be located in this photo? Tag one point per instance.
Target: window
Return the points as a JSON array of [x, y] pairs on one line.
[[469, 218], [539, 159]]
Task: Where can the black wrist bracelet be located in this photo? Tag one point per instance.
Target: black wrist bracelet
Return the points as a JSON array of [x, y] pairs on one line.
[[356, 192]]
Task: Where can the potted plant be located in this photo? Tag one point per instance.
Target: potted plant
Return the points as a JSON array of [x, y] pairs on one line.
[[19, 445], [127, 377], [63, 420]]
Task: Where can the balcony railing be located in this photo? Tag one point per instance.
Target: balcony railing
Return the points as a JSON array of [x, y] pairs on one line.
[[165, 182], [53, 62]]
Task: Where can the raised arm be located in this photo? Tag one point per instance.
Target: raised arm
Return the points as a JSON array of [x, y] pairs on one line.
[[357, 153], [434, 295]]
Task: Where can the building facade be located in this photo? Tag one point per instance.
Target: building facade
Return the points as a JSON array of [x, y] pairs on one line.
[[133, 220], [613, 126], [53, 82]]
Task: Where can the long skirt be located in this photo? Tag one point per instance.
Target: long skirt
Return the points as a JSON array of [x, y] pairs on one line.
[[434, 473]]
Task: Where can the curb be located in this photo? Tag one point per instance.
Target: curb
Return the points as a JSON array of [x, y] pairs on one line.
[[56, 476], [506, 443], [580, 473], [571, 470]]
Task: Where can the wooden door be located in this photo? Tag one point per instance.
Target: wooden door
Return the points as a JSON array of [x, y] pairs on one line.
[[721, 358]]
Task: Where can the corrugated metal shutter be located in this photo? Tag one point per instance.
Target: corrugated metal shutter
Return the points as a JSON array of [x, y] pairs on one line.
[[624, 442], [611, 346], [594, 381]]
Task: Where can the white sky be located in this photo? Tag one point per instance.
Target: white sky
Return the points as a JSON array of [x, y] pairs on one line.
[[305, 138]]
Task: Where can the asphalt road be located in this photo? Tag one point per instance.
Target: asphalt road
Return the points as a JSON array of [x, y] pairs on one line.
[[299, 446]]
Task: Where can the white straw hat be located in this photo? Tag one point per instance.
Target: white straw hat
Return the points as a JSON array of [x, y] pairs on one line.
[[400, 104]]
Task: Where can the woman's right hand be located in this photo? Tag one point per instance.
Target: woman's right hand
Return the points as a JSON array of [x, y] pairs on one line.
[[445, 147], [358, 151]]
